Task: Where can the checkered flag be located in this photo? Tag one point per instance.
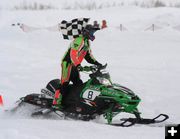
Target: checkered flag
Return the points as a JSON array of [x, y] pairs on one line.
[[73, 29]]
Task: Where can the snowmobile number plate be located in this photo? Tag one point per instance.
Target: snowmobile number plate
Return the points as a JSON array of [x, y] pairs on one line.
[[91, 94]]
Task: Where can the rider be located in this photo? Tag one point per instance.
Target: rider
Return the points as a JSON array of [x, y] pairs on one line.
[[71, 62]]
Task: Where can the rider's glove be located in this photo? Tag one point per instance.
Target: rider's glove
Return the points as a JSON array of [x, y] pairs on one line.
[[98, 64], [79, 68]]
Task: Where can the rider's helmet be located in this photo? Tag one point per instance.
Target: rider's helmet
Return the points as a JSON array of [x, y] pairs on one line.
[[89, 31]]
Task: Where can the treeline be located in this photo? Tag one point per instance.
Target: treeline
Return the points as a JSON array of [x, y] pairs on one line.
[[93, 5]]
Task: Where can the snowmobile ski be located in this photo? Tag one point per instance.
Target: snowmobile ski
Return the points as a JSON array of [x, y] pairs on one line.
[[158, 119]]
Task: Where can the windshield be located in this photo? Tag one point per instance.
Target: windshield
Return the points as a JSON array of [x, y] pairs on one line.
[[104, 81], [104, 78]]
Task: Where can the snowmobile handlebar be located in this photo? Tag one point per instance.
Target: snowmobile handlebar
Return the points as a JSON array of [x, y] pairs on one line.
[[94, 68]]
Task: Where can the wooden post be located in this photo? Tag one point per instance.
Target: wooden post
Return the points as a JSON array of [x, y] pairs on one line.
[[121, 27], [153, 27]]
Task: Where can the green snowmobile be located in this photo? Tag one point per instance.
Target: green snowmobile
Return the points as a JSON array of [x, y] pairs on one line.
[[95, 97]]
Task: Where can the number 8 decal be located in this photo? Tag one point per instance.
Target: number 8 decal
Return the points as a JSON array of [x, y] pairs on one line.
[[90, 94]]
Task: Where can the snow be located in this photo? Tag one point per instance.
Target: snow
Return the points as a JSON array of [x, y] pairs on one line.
[[28, 129], [145, 61]]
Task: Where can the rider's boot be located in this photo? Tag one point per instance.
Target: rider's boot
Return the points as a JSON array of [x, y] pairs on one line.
[[57, 102]]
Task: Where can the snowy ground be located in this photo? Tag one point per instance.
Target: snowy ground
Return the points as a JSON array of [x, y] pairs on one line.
[[145, 61]]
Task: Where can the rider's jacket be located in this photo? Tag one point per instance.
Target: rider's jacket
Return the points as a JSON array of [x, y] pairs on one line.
[[78, 50]]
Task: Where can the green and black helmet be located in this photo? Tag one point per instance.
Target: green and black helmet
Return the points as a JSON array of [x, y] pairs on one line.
[[89, 31]]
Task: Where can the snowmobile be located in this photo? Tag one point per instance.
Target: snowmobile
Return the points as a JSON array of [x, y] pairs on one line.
[[97, 96]]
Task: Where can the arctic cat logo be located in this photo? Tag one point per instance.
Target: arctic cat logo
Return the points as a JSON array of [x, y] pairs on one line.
[[94, 88]]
